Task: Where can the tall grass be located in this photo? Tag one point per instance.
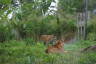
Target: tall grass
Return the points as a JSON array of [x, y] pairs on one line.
[[18, 52]]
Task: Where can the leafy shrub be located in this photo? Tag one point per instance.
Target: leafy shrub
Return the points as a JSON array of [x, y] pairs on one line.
[[5, 32], [29, 41], [88, 58], [17, 52], [92, 36], [91, 29]]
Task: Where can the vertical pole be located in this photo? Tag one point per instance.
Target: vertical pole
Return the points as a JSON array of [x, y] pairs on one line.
[[86, 18]]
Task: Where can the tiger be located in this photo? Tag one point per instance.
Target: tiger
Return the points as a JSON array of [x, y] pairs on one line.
[[57, 48], [48, 39]]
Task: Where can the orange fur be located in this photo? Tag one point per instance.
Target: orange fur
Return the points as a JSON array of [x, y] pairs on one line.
[[57, 48], [46, 38]]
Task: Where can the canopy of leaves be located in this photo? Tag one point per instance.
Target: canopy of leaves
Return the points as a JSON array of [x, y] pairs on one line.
[[38, 6], [76, 5]]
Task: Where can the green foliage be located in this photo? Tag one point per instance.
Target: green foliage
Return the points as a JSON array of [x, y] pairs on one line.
[[4, 5], [30, 24], [4, 32], [91, 29], [88, 58], [29, 41], [18, 52], [84, 44], [35, 7], [92, 36], [5, 1], [68, 26], [71, 6]]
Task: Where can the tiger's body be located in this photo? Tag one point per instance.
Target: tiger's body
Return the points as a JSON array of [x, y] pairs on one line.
[[48, 39], [57, 48]]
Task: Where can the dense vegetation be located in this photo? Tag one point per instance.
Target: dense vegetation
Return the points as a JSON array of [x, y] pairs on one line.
[[28, 19], [22, 52], [19, 33]]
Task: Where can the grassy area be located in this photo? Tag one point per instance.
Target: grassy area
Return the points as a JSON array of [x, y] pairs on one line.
[[20, 52]]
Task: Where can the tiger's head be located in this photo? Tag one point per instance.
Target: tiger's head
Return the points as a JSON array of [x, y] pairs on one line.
[[59, 44]]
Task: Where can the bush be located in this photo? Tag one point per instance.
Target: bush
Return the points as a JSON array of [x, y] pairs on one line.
[[29, 41], [17, 52], [5, 33], [91, 29], [88, 58], [92, 36]]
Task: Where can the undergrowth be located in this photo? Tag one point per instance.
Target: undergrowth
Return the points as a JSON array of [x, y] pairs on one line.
[[18, 52]]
